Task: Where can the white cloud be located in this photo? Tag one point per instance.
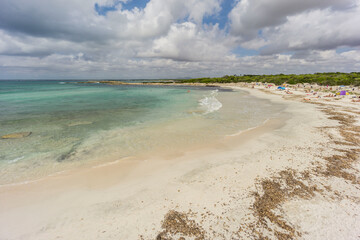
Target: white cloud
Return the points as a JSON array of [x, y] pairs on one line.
[[168, 38], [186, 42], [317, 29], [248, 17]]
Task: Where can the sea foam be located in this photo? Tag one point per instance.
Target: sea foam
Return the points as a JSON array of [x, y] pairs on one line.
[[210, 103], [15, 160]]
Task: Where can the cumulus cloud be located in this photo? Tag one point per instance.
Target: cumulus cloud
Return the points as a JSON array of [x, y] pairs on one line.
[[73, 20], [174, 38], [296, 27], [77, 20], [186, 42], [318, 29], [248, 17]]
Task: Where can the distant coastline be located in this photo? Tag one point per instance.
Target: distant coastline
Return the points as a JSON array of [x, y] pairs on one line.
[[323, 79]]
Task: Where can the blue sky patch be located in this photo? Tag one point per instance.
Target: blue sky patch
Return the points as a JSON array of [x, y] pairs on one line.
[[222, 17], [141, 4], [239, 51], [103, 10], [343, 49]]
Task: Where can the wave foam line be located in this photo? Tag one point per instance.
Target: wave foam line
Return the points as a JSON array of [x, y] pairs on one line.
[[16, 159], [246, 130], [59, 173], [110, 163]]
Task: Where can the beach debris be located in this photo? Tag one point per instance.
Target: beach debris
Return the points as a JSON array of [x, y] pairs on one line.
[[178, 224], [16, 135], [275, 191], [338, 165]]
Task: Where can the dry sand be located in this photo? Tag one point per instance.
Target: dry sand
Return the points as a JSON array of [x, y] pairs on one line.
[[294, 177]]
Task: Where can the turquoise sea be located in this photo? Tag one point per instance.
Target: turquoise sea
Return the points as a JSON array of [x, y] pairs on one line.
[[75, 124]]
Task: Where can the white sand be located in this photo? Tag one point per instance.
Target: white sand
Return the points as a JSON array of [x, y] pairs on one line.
[[129, 199]]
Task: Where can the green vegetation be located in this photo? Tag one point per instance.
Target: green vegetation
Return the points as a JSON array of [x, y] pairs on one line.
[[331, 79]]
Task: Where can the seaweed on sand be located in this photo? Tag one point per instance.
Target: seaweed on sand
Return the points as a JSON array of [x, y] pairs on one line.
[[178, 224], [275, 192]]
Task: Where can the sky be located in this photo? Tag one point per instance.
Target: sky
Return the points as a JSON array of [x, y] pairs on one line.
[[148, 39]]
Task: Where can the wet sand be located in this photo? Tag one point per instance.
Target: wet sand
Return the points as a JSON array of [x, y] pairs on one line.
[[295, 176]]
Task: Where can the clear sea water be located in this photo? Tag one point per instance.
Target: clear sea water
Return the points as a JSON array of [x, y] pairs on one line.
[[74, 124]]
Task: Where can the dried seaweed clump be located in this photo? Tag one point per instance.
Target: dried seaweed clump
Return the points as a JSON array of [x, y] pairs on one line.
[[177, 225], [275, 192], [338, 164]]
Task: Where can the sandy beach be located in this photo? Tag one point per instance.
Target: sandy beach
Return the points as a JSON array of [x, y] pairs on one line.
[[293, 177]]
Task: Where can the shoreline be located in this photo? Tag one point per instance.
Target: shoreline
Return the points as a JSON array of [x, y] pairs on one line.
[[217, 192], [173, 127]]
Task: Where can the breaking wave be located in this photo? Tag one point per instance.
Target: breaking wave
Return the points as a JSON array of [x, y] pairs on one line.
[[210, 103]]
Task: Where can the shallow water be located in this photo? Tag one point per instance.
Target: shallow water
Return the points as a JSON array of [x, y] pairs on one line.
[[76, 124]]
